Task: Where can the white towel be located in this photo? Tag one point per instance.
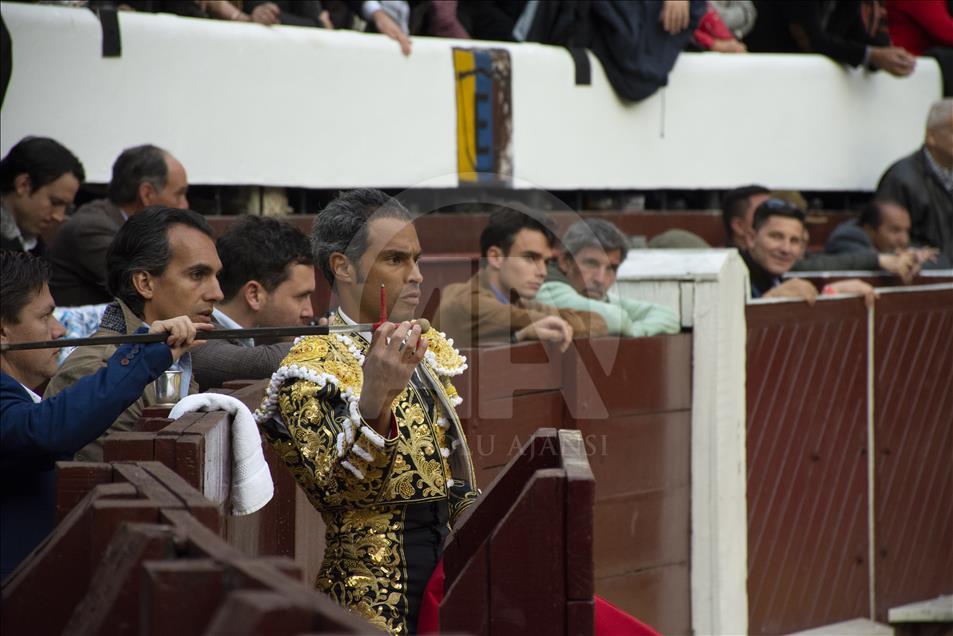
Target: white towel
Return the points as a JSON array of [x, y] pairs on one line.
[[252, 487]]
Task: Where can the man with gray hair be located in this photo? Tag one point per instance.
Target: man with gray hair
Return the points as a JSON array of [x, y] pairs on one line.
[[923, 182], [142, 176], [366, 421], [585, 268]]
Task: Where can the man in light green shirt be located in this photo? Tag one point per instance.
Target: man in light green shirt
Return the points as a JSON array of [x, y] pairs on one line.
[[585, 268]]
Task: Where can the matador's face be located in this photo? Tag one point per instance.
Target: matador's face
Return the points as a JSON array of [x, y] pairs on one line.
[[393, 250]]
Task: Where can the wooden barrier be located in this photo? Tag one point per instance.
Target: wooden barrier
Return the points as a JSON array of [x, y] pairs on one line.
[[808, 458], [521, 558], [876, 279], [913, 443], [635, 421], [140, 553], [196, 446], [637, 441], [849, 441], [807, 465]]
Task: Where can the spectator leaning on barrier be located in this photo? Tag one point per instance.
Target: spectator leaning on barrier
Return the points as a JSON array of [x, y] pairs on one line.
[[496, 305], [302, 13], [713, 35], [738, 214], [924, 27], [141, 177], [923, 182], [738, 15], [298, 13], [389, 17], [777, 243], [39, 179], [161, 264], [637, 43], [267, 280], [852, 33], [882, 227], [35, 433], [585, 268]]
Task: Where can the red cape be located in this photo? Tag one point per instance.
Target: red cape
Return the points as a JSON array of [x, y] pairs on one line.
[[609, 619]]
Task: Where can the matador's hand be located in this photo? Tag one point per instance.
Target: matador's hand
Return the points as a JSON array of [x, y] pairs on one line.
[[395, 352]]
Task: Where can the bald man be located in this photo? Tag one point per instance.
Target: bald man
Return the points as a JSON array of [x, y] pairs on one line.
[[923, 182], [142, 176]]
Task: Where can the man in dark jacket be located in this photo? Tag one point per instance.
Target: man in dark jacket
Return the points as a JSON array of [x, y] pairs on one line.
[[36, 433], [39, 179], [738, 214], [637, 43], [883, 227], [267, 280], [923, 182], [141, 177], [778, 242], [851, 32]]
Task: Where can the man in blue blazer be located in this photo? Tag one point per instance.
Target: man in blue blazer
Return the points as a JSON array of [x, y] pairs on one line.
[[36, 433]]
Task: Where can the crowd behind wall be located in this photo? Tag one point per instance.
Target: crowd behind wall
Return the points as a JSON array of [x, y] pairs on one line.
[[906, 227]]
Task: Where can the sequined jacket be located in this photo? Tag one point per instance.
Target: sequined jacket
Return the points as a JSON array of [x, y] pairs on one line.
[[370, 489]]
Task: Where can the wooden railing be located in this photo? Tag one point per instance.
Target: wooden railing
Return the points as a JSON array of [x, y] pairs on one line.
[[635, 440], [849, 440], [140, 553], [197, 447], [630, 399], [521, 559], [812, 558]]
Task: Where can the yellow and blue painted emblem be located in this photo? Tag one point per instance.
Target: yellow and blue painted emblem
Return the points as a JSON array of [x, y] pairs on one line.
[[484, 116]]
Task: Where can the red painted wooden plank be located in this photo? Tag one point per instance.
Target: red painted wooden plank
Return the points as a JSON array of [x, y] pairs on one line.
[[641, 531], [74, 480], [914, 441], [601, 380], [807, 468], [654, 596], [124, 446], [639, 453], [528, 588], [194, 587]]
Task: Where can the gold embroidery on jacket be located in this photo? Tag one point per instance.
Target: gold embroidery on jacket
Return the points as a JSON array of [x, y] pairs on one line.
[[364, 567]]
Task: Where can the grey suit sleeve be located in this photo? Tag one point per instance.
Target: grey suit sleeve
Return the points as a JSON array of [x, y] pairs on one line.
[[219, 361], [865, 261], [91, 242]]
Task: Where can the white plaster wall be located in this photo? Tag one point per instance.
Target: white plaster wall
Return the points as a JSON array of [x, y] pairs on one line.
[[248, 104]]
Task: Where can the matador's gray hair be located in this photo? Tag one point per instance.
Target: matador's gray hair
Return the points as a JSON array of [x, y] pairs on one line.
[[342, 225]]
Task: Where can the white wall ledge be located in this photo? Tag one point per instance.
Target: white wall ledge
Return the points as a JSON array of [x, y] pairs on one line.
[[292, 106], [937, 610], [855, 627]]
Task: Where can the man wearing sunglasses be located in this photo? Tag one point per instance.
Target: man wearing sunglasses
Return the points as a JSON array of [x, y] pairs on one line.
[[777, 243]]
